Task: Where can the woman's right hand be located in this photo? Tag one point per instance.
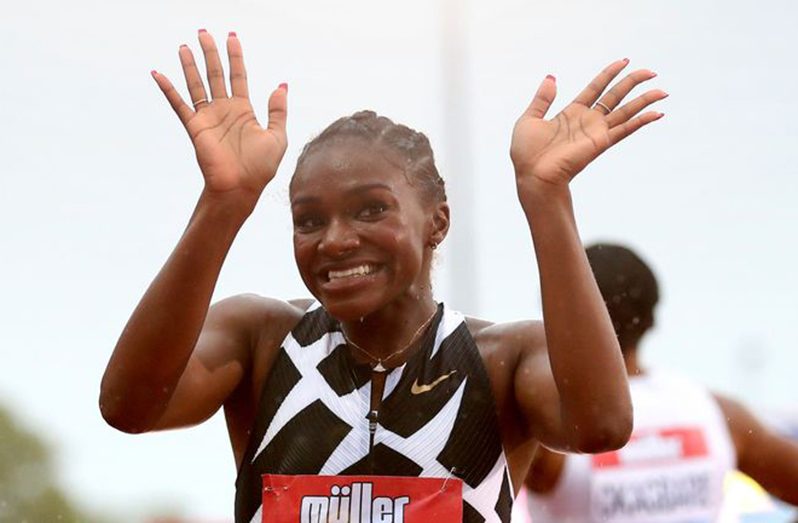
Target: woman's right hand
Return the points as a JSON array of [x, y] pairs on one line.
[[237, 156]]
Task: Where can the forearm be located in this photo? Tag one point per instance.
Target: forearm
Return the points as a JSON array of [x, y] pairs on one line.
[[160, 335], [585, 358]]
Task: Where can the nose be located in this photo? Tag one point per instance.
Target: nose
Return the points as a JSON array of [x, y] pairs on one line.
[[339, 239]]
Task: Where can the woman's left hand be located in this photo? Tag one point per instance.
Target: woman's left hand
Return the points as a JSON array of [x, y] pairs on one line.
[[554, 151]]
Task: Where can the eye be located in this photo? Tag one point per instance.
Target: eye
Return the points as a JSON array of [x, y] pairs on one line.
[[372, 210], [308, 222]]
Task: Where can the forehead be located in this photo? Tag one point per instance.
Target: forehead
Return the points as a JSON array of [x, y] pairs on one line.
[[346, 165]]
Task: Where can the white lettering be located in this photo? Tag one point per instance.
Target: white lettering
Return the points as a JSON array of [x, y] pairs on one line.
[[353, 504], [314, 509], [399, 509], [383, 510]]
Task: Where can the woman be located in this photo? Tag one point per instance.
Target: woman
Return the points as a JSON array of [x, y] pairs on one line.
[[376, 378]]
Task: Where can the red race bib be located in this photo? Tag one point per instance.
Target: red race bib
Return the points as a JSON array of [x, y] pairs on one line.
[[361, 499]]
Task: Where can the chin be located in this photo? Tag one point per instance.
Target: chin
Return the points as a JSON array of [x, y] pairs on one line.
[[348, 309]]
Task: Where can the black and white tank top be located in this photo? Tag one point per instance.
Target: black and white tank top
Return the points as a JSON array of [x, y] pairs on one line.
[[313, 417]]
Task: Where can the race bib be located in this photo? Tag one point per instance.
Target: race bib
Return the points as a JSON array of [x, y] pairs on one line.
[[361, 499], [661, 475]]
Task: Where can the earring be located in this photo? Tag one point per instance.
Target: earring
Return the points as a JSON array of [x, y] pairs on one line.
[[433, 245]]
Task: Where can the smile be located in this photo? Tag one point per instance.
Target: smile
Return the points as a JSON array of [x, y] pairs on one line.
[[354, 272]]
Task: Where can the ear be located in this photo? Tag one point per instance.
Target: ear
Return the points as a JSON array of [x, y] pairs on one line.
[[439, 224]]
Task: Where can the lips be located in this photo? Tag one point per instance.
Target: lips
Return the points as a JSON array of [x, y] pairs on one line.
[[349, 277]]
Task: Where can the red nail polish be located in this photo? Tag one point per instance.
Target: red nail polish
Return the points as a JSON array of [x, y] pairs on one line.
[[153, 73], [283, 86], [625, 60], [202, 31], [232, 34], [551, 77]]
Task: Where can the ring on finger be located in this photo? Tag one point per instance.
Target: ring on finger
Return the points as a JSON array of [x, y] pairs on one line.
[[603, 106], [200, 101]]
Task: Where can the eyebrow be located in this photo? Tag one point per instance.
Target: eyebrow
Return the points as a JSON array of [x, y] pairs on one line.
[[354, 191]]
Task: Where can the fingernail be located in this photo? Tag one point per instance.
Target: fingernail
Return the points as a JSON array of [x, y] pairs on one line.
[[653, 74], [202, 31], [551, 77], [153, 73], [283, 86], [625, 60], [232, 34], [182, 46], [660, 115]]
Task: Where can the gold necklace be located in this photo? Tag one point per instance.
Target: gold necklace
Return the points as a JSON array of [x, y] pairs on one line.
[[378, 367]]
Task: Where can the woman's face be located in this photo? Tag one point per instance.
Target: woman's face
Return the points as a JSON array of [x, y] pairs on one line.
[[361, 230]]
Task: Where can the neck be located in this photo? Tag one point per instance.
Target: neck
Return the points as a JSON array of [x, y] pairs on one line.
[[397, 327]]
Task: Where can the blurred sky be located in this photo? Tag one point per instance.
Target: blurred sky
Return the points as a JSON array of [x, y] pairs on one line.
[[98, 181]]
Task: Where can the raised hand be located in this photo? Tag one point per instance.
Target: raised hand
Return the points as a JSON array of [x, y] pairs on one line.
[[554, 151], [236, 155]]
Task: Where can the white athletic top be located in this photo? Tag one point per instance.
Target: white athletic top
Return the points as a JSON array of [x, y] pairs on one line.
[[671, 471]]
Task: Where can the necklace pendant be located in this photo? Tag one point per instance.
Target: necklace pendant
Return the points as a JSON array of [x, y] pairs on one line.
[[378, 367]]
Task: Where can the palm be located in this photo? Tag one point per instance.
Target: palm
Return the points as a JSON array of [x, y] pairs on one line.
[[556, 150], [233, 150]]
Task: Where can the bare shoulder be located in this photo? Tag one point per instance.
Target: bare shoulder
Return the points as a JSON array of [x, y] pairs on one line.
[[741, 422], [258, 325], [517, 338], [256, 319], [506, 349], [249, 307], [768, 457]]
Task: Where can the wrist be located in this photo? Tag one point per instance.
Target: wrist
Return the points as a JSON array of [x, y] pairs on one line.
[[225, 207], [538, 195]]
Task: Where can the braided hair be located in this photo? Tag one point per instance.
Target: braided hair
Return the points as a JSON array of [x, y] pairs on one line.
[[413, 153]]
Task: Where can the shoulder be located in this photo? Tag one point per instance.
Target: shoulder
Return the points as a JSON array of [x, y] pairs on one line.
[[740, 421], [257, 318], [257, 325], [509, 350], [244, 308], [518, 338]]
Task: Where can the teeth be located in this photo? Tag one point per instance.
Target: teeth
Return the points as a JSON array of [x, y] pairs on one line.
[[355, 271]]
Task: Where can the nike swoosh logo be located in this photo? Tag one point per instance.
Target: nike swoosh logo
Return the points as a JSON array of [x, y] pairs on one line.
[[421, 389]]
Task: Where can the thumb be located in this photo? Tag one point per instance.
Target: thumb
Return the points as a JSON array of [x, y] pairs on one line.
[[278, 109], [543, 98]]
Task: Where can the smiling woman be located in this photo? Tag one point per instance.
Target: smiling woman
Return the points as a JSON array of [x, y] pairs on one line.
[[373, 377]]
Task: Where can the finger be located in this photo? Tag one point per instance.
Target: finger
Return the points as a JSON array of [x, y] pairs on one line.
[[594, 89], [629, 110], [543, 98], [213, 65], [196, 89], [238, 74], [180, 107], [278, 109], [620, 132], [614, 96]]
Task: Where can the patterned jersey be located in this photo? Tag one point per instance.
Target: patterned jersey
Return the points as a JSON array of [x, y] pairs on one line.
[[437, 417]]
